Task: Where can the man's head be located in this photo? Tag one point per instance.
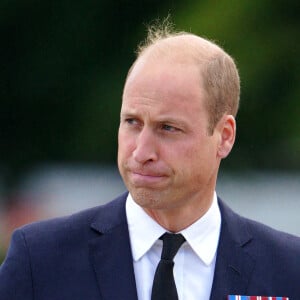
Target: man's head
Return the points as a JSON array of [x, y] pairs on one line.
[[217, 70], [176, 126]]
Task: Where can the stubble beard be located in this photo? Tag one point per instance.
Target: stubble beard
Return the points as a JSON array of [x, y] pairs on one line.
[[148, 198]]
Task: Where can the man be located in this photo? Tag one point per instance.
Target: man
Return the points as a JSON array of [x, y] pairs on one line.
[[177, 123]]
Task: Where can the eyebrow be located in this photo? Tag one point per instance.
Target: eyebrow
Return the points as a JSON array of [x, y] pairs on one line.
[[164, 119], [172, 120]]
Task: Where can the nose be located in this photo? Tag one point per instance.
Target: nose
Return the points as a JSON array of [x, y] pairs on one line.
[[146, 147]]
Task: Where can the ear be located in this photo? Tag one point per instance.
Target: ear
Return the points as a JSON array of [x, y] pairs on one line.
[[227, 130]]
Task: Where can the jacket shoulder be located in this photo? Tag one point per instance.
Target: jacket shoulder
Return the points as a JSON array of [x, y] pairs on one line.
[[243, 228], [75, 224], [270, 248]]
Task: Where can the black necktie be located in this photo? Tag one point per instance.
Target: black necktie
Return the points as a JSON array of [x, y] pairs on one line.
[[164, 287]]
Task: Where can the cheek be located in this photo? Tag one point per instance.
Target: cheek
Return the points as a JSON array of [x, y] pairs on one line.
[[198, 155], [125, 145]]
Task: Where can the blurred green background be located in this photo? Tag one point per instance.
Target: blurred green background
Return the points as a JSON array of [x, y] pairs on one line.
[[63, 66]]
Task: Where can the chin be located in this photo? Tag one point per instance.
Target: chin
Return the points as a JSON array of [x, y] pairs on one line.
[[147, 199]]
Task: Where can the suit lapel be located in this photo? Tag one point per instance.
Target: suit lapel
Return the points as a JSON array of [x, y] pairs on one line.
[[234, 265], [110, 253]]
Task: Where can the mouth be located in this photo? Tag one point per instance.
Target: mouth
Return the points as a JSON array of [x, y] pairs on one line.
[[146, 178]]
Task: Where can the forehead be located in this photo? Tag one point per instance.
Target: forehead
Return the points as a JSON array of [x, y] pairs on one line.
[[164, 78], [165, 90]]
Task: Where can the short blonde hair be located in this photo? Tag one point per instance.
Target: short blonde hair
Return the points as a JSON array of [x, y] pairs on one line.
[[218, 71]]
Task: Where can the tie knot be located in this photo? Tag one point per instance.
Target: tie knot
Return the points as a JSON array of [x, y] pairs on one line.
[[171, 244]]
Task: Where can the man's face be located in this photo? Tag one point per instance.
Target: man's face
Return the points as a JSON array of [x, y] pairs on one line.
[[166, 157]]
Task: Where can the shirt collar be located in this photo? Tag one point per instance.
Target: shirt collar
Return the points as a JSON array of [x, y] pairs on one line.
[[202, 236], [139, 225]]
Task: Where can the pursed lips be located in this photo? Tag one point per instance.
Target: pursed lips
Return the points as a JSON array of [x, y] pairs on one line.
[[142, 177], [150, 174]]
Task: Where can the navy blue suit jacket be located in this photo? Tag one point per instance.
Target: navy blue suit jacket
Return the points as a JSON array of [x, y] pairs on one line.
[[87, 256]]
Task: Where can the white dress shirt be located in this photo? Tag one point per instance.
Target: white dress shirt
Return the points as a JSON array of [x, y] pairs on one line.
[[194, 262]]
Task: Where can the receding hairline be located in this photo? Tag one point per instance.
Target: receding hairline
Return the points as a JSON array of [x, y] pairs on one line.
[[178, 47], [182, 43]]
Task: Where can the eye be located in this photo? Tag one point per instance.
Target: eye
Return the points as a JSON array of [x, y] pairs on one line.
[[170, 128], [131, 121]]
